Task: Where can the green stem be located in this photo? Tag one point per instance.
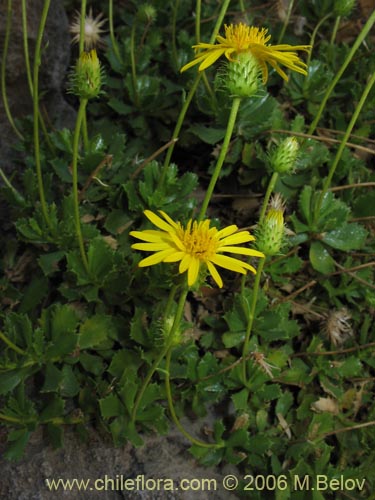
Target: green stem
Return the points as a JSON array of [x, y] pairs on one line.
[[133, 65], [13, 346], [3, 68], [112, 33], [251, 318], [174, 29], [26, 47], [188, 99], [82, 26], [31, 420], [198, 11], [223, 152], [85, 135], [80, 115], [313, 36], [175, 419], [35, 95], [17, 195], [158, 360], [334, 31], [343, 143], [177, 129], [270, 188], [286, 21], [367, 27], [28, 72]]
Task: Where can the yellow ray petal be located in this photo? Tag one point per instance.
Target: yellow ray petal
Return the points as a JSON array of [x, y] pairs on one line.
[[216, 276]]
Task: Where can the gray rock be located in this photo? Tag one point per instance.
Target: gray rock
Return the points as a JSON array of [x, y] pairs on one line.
[[161, 457], [55, 61]]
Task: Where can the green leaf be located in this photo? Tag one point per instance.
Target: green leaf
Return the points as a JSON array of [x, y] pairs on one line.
[[240, 399], [95, 330], [35, 292], [91, 363], [111, 406], [69, 385], [348, 237], [55, 408], [100, 258], [18, 439], [9, 380], [351, 367], [208, 135], [52, 378], [284, 403], [50, 262], [64, 321], [305, 204], [320, 258]]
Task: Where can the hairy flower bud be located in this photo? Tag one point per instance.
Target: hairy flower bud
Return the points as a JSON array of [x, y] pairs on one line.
[[283, 158], [243, 75], [343, 8], [270, 233], [86, 79], [147, 13]]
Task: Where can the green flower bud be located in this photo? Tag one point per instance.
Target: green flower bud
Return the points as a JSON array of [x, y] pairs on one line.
[[147, 13], [86, 78], [343, 8], [282, 159], [270, 233], [243, 76]]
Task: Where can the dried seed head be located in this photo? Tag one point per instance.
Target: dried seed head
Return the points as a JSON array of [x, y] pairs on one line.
[[337, 326]]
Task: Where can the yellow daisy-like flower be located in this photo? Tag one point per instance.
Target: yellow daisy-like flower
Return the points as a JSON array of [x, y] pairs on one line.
[[241, 38], [195, 245]]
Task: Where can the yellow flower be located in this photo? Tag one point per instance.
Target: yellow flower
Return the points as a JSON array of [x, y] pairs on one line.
[[195, 245], [240, 38], [92, 32]]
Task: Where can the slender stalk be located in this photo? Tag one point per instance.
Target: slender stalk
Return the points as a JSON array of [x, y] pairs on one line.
[[251, 318], [13, 346], [198, 11], [223, 152], [158, 360], [172, 411], [334, 31], [343, 143], [28, 72], [80, 115], [270, 188], [133, 65], [26, 47], [35, 95], [82, 26], [180, 121], [17, 195], [112, 33], [174, 30], [313, 36], [286, 21], [3, 70], [188, 99], [365, 30]]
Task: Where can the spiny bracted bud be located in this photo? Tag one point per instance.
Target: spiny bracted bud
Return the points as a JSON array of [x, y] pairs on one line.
[[270, 232], [86, 78], [343, 8], [243, 76], [283, 158], [147, 13]]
